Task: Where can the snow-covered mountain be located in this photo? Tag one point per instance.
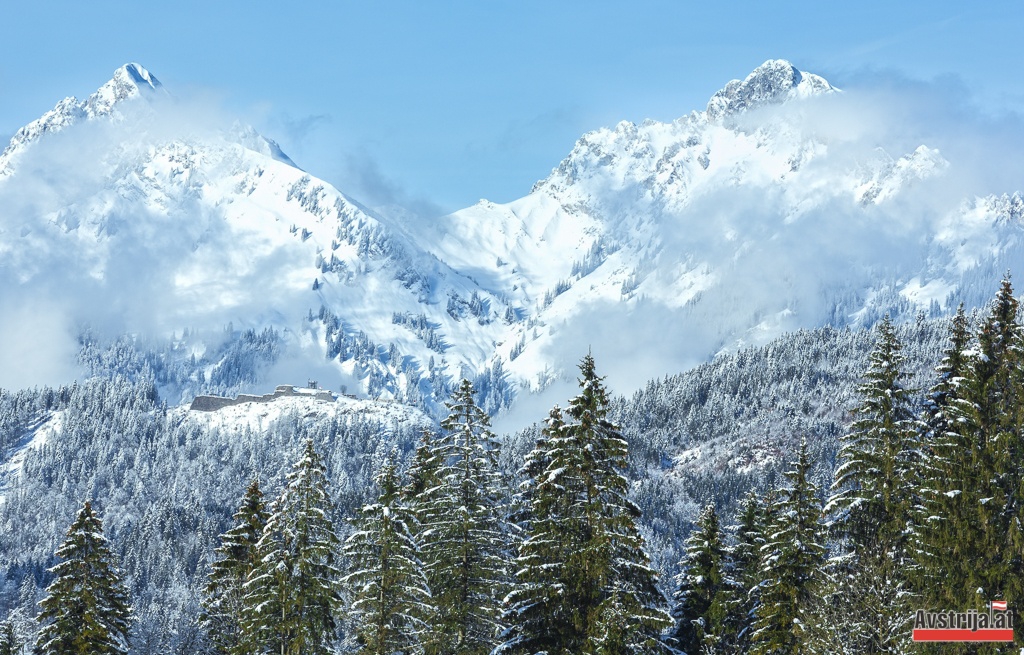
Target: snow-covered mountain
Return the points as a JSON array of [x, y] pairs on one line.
[[123, 213], [780, 205], [129, 81], [777, 207]]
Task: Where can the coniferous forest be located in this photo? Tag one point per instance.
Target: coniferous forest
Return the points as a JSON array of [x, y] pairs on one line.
[[805, 497]]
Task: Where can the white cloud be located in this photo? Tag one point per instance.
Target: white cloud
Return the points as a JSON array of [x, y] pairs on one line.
[[38, 344]]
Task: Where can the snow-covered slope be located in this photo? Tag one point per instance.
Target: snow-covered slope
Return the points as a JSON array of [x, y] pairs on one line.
[[37, 434], [161, 223], [129, 81], [782, 204], [778, 207]]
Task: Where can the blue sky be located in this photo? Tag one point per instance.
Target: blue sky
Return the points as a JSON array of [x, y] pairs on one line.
[[435, 105]]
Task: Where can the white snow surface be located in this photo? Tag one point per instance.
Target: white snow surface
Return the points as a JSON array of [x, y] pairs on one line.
[[784, 204], [129, 81], [37, 434]]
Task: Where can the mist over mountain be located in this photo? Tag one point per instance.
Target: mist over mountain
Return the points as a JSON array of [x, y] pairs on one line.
[[785, 203]]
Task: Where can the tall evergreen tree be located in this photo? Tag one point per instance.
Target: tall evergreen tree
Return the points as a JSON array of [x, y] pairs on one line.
[[873, 487], [972, 544], [224, 607], [422, 476], [750, 537], [991, 408], [705, 590], [293, 592], [10, 644], [792, 559], [533, 469], [621, 626], [532, 600], [943, 571], [391, 600], [86, 610], [583, 559], [464, 542], [873, 496], [949, 373]]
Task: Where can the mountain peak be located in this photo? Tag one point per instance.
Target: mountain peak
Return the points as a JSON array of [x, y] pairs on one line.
[[129, 81], [138, 75], [774, 81]]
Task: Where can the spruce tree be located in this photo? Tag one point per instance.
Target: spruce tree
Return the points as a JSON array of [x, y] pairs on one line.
[[751, 534], [792, 558], [532, 602], [422, 477], [292, 593], [583, 560], [10, 644], [873, 487], [949, 373], [871, 506], [992, 408], [86, 610], [390, 598], [973, 548], [224, 608], [944, 513], [621, 626], [705, 590], [464, 542], [533, 469]]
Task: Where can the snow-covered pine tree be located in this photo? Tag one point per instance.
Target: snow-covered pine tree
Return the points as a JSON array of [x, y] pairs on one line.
[[464, 543], [620, 627], [871, 505], [609, 515], [947, 469], [792, 559], [873, 487], [422, 476], [583, 559], [293, 592], [704, 590], [86, 610], [534, 465], [996, 397], [25, 626], [983, 545], [750, 536], [224, 607], [949, 374], [390, 597], [10, 644], [530, 605]]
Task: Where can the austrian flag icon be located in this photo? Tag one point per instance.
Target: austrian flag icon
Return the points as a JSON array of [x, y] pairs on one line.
[[998, 605]]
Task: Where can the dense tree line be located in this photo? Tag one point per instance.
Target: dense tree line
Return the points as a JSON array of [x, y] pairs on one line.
[[428, 564], [566, 539], [166, 485], [922, 513]]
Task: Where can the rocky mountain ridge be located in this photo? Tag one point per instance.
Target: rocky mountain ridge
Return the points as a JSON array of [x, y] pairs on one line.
[[657, 245]]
